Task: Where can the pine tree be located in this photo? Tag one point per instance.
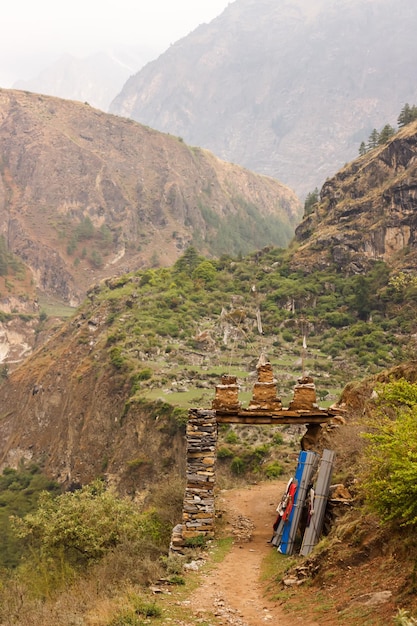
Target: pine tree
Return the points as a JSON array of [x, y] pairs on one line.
[[386, 133], [408, 114], [373, 139], [362, 148], [310, 201]]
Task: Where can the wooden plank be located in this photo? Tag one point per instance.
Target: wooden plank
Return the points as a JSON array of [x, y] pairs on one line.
[[282, 534], [273, 419], [307, 465], [321, 494]]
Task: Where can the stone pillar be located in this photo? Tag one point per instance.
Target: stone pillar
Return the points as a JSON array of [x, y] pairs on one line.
[[304, 395], [264, 394], [227, 395], [198, 510]]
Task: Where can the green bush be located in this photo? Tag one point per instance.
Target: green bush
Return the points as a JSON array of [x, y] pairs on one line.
[[260, 452], [126, 618], [19, 494], [390, 481], [148, 609], [277, 439], [231, 437], [273, 470], [145, 374], [116, 357], [81, 525], [287, 336], [224, 453], [196, 542], [237, 465]]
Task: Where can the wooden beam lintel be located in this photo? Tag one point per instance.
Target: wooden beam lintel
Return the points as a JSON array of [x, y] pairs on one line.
[[229, 419], [287, 418]]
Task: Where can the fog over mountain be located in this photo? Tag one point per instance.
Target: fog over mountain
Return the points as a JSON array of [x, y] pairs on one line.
[[35, 35], [287, 89], [93, 79]]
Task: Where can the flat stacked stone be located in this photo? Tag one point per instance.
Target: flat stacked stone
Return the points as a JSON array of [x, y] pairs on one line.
[[198, 509]]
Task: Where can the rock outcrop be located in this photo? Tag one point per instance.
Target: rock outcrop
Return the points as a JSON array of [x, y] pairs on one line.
[[366, 212]]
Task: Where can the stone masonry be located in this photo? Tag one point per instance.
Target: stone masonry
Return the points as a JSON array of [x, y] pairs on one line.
[[198, 510], [304, 395], [265, 404], [265, 391], [227, 395]]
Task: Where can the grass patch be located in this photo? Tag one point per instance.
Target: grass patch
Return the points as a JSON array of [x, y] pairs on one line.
[[54, 308], [221, 548]]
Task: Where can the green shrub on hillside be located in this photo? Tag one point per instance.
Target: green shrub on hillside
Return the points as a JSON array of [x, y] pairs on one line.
[[273, 470], [19, 494], [390, 483], [82, 525]]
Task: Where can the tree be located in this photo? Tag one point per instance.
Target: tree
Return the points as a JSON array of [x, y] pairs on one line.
[[85, 229], [205, 271], [82, 525], [386, 133], [188, 261], [373, 139], [96, 259], [19, 493], [362, 148], [408, 114], [310, 201], [361, 300]]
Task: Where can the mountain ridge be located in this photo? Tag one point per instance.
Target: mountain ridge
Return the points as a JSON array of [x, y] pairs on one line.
[[85, 195], [286, 89]]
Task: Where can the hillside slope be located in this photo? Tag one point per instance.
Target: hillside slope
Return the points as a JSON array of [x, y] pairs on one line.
[[85, 195], [366, 212], [166, 335], [68, 407], [288, 89]]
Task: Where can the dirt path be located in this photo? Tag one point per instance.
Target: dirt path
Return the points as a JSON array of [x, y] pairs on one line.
[[233, 589]]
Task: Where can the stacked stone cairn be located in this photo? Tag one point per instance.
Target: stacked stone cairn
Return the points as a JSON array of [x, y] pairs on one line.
[[305, 398], [227, 395], [198, 510], [264, 394]]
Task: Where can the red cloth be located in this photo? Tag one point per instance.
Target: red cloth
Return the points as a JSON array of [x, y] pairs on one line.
[[291, 495]]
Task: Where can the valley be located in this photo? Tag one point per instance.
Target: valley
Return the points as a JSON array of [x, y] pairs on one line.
[[136, 271]]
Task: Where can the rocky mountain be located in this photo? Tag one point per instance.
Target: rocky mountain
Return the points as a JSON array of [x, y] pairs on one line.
[[287, 89], [94, 79], [85, 195], [68, 408], [84, 400], [366, 212]]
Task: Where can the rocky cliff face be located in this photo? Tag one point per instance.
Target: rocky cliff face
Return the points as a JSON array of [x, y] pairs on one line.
[[288, 89], [68, 408], [85, 195], [366, 212]]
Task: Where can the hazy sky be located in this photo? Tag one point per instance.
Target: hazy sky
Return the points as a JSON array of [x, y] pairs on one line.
[[34, 33]]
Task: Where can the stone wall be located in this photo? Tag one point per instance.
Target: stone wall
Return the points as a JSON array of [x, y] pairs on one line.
[[198, 510]]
